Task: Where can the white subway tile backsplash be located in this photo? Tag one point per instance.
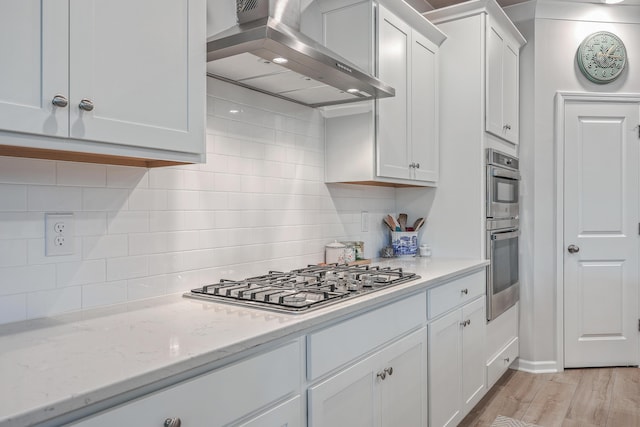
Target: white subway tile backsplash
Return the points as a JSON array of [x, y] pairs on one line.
[[52, 302], [97, 294], [26, 279], [105, 246], [127, 222], [258, 203], [127, 177], [27, 171], [13, 308], [104, 199], [52, 199], [81, 174], [36, 252], [183, 200], [147, 287], [13, 253], [148, 200], [80, 273], [127, 267], [14, 198]]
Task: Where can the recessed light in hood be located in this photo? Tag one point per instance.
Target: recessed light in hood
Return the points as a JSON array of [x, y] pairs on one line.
[[271, 56]]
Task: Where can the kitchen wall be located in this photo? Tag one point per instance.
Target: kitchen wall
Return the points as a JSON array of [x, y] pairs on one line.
[[554, 29], [258, 203]]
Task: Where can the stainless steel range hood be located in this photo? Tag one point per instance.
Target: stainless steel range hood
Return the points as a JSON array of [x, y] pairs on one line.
[[266, 52]]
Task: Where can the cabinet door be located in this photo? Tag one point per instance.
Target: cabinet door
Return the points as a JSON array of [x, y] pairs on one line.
[[494, 87], [34, 66], [424, 109], [287, 414], [473, 353], [346, 399], [403, 392], [510, 89], [142, 65], [392, 118], [445, 354]]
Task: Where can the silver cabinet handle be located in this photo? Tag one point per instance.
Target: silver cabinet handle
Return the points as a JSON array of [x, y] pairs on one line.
[[86, 104], [464, 291], [382, 375], [172, 422], [60, 101], [573, 249]]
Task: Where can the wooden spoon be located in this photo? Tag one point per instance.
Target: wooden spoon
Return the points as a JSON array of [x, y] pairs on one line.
[[419, 223], [389, 223], [402, 220]]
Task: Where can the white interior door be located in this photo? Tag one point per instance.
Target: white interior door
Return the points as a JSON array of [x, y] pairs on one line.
[[601, 234]]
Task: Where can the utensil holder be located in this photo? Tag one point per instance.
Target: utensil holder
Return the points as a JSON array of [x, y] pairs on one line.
[[404, 243]]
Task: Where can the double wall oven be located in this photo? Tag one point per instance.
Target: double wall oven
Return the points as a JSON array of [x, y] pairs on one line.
[[503, 232]]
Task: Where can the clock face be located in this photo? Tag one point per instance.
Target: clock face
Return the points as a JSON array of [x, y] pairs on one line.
[[602, 57]]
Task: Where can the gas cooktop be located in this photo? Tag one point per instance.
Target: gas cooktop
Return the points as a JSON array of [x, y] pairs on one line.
[[303, 289]]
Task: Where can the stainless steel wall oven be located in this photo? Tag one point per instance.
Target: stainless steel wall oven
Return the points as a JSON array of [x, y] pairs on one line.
[[503, 232]]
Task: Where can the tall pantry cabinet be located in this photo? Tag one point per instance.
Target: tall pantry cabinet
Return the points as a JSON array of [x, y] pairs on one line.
[[392, 141]]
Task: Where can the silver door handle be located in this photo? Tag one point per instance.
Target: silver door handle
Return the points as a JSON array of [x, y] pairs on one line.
[[573, 249], [86, 104], [60, 101]]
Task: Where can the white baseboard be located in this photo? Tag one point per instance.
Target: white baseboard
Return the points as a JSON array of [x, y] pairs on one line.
[[543, 367]]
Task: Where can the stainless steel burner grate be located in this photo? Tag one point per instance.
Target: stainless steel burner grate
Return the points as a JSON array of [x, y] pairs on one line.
[[303, 289]]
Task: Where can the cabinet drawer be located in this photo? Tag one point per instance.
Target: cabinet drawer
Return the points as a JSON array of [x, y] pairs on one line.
[[452, 294], [499, 364], [216, 398], [336, 345]]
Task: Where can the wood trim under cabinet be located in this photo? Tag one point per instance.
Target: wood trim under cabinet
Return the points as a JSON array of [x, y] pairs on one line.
[[74, 156]]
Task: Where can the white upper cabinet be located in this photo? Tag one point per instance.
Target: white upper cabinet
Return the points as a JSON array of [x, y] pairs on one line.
[[114, 78], [503, 58], [34, 38], [465, 24], [393, 141]]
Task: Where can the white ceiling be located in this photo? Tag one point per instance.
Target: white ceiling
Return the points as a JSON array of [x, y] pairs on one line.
[[425, 5]]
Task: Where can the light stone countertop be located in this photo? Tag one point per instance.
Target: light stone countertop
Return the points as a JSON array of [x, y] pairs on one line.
[[52, 366]]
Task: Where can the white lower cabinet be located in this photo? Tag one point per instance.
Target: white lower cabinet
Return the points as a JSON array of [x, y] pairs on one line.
[[227, 395], [456, 362], [385, 389]]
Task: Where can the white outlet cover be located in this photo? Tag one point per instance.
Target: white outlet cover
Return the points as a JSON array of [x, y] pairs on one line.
[[59, 234]]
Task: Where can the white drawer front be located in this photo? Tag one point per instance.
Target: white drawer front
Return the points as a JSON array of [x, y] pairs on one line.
[[338, 344], [499, 364], [452, 294], [216, 398]]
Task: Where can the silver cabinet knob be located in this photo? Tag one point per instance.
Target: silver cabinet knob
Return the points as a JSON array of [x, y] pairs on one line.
[[86, 105], [389, 370], [417, 165], [573, 249], [507, 127], [172, 422], [60, 101], [465, 323], [382, 375], [464, 291], [507, 360], [412, 165]]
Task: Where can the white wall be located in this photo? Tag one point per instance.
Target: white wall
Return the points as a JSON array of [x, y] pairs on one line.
[[558, 28], [258, 203]]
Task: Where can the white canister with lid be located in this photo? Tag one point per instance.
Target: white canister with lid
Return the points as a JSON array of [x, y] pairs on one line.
[[334, 253]]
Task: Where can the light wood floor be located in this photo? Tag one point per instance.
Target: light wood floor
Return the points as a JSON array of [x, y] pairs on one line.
[[606, 397]]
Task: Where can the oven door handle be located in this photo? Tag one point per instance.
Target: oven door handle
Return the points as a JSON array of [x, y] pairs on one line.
[[505, 236], [504, 173]]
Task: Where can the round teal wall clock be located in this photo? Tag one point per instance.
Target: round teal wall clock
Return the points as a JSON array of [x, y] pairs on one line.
[[602, 57]]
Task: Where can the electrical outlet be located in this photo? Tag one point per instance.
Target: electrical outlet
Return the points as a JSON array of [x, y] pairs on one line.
[[59, 234], [364, 221]]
